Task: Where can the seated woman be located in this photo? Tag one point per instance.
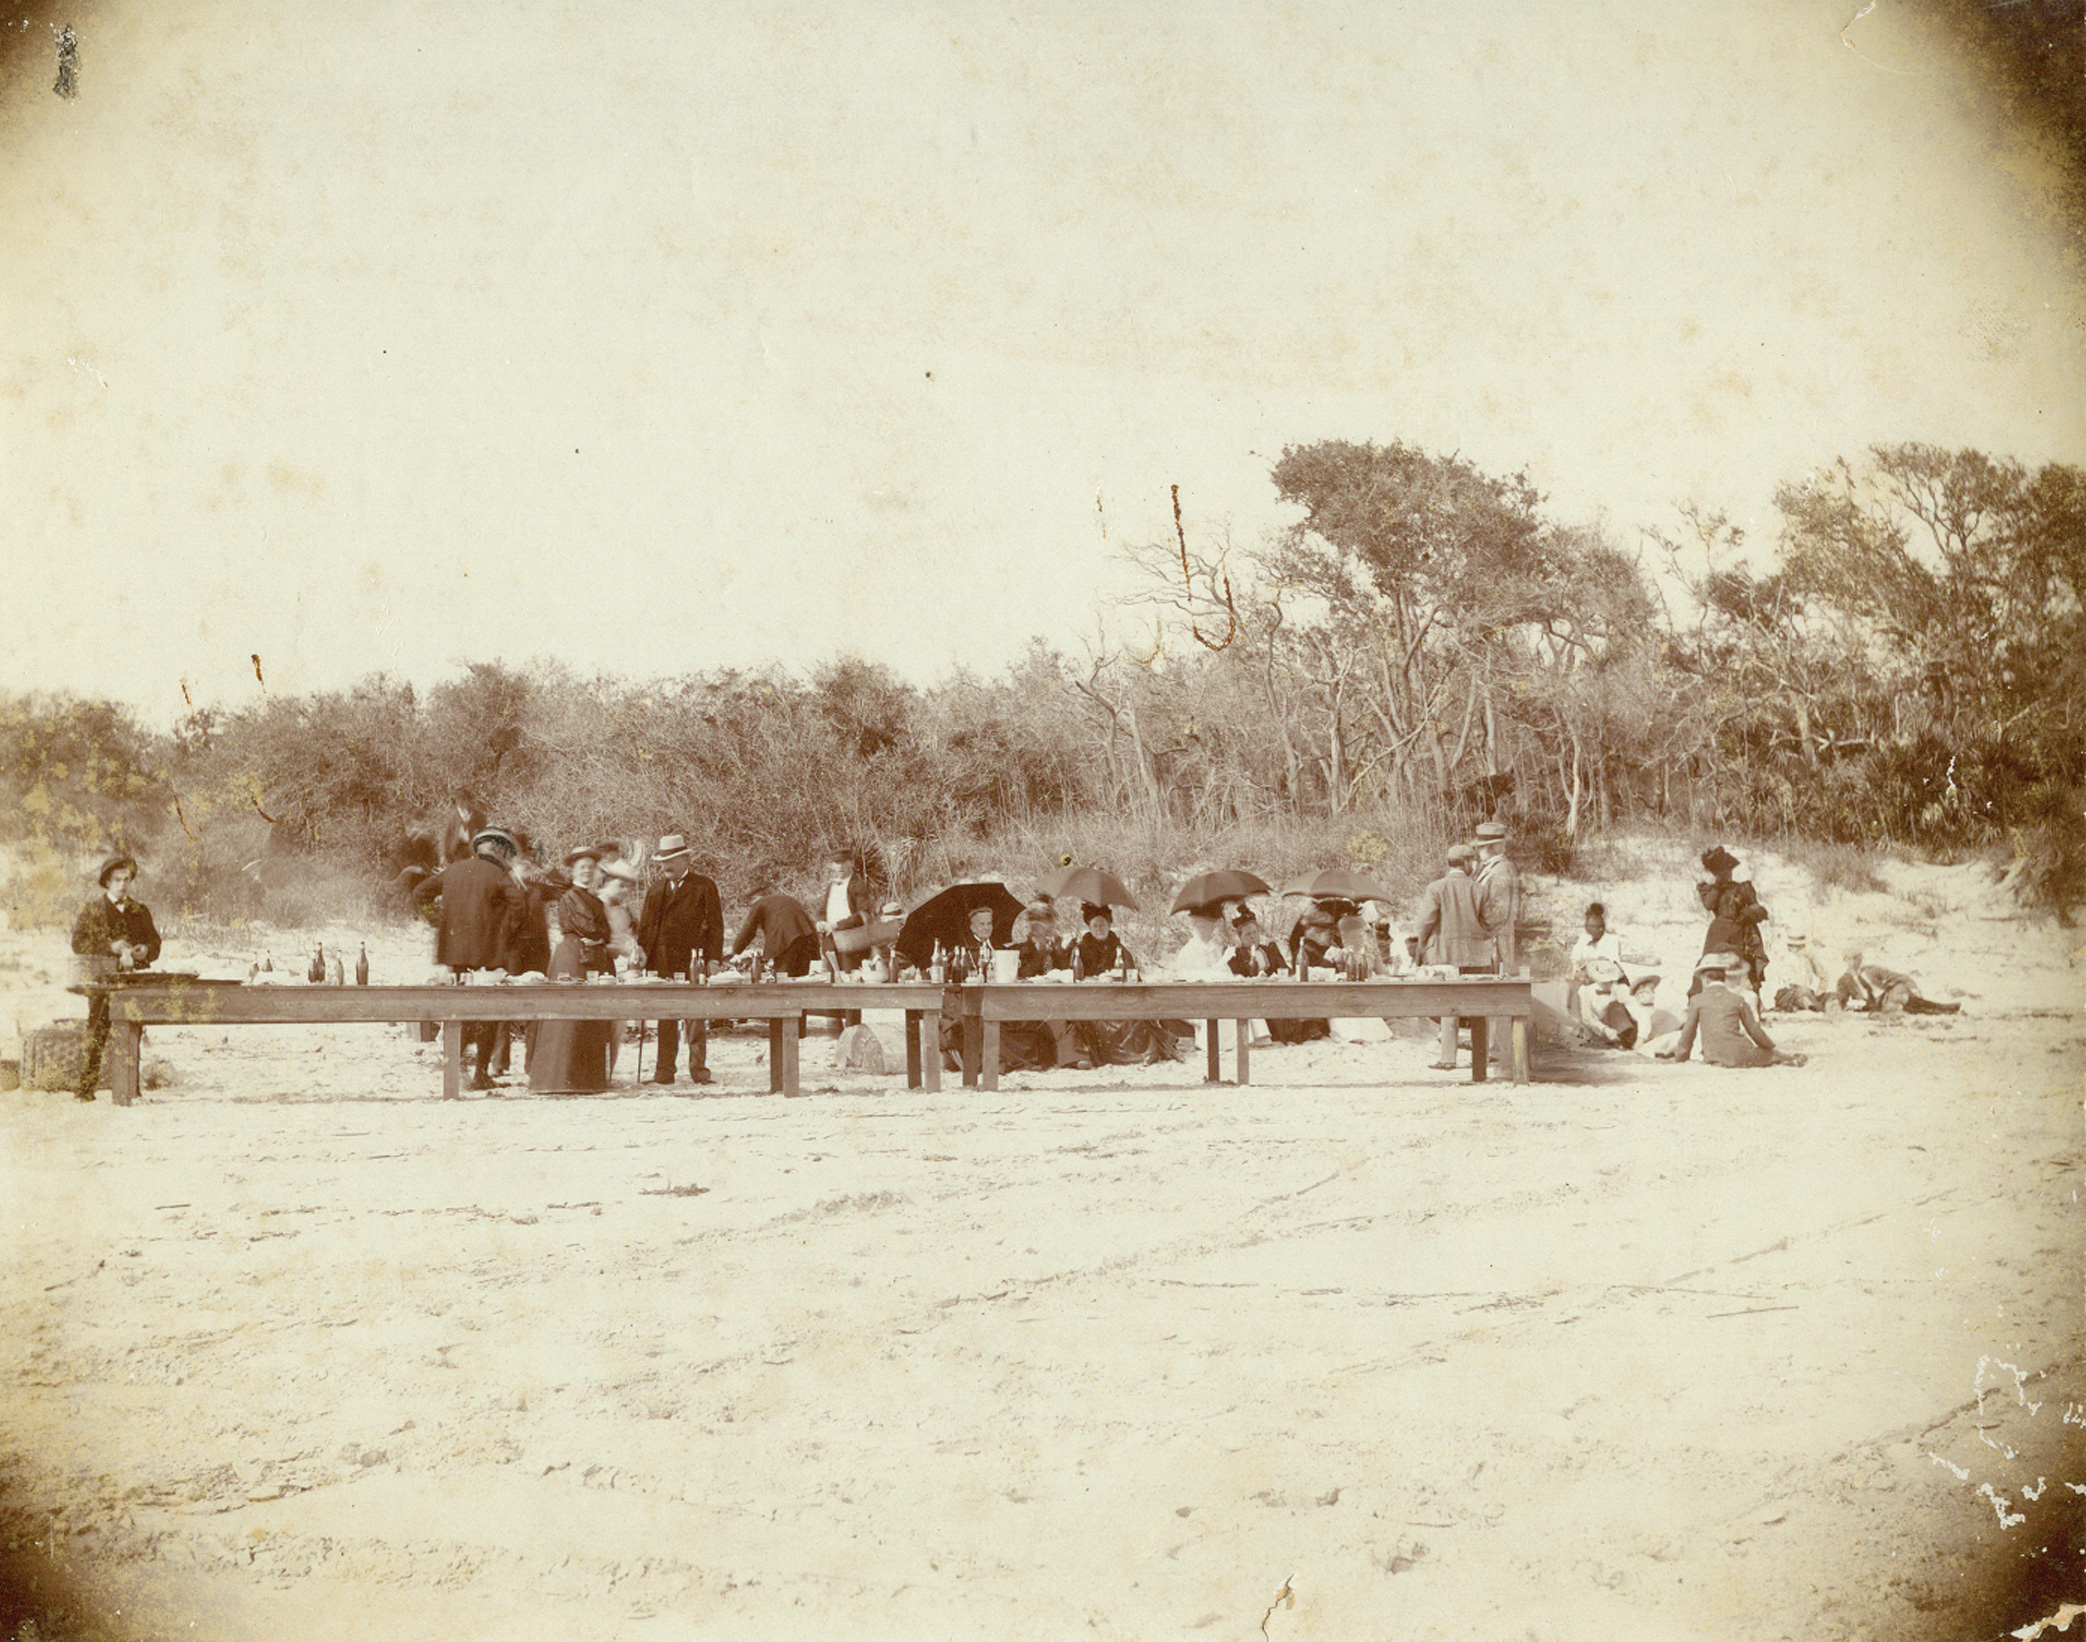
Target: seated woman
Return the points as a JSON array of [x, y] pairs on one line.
[[1099, 953], [1042, 1044], [1604, 1017], [1315, 934], [572, 1057], [1257, 958], [1207, 956], [1722, 1012], [1657, 1028]]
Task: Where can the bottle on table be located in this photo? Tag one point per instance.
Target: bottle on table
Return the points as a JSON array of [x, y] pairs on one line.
[[336, 975], [362, 965], [315, 971]]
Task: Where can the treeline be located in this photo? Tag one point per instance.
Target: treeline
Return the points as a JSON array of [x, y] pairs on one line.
[[1422, 649]]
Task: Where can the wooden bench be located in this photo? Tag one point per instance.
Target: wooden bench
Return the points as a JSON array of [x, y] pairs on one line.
[[1475, 998]]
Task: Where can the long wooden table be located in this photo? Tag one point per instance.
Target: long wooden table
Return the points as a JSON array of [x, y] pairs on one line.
[[782, 1004], [1475, 998]]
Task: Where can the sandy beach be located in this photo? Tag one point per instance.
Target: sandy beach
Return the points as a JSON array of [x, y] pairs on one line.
[[296, 1349]]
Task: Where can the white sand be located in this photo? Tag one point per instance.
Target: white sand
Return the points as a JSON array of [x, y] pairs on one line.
[[295, 1349]]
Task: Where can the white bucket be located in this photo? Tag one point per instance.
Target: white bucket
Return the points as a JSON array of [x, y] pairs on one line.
[[1006, 966]]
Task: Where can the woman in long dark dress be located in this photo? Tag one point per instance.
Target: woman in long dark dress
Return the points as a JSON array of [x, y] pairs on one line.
[[572, 1057], [1257, 958], [1100, 951]]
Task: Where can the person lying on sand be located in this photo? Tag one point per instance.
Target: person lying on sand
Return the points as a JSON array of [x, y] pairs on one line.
[[1882, 991], [1724, 1015]]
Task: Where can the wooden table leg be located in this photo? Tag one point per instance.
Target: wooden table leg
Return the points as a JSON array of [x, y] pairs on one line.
[[1520, 1043], [912, 1048], [776, 1034], [1215, 1074], [931, 1050], [1245, 1028], [1480, 1050], [452, 1060], [120, 1058], [973, 1031], [790, 1053], [989, 1055]]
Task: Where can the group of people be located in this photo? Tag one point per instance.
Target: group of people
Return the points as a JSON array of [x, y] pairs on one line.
[[1616, 999], [497, 910]]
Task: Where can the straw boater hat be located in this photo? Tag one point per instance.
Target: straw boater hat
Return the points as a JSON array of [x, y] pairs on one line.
[[112, 865], [672, 846], [586, 852], [1492, 832], [1717, 960], [498, 837], [1603, 969]]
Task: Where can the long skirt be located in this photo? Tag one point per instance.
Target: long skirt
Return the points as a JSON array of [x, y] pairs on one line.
[[1134, 1043], [570, 1057]]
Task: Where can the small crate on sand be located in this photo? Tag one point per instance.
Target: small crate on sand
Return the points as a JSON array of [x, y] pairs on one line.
[[53, 1055]]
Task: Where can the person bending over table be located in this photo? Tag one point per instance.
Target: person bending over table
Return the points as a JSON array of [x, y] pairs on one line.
[[788, 937], [113, 934]]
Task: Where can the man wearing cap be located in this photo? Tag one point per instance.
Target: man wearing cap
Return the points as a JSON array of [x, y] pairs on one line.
[[1499, 897], [113, 934], [481, 904], [682, 924], [1731, 1031], [1452, 930]]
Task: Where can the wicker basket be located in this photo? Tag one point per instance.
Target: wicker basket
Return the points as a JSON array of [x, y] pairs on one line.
[[53, 1055], [864, 936]]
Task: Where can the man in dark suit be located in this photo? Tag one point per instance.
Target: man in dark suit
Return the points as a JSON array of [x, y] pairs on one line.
[[682, 924], [481, 903], [113, 935]]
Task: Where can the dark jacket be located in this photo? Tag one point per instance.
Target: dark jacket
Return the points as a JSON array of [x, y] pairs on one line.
[[102, 922], [1042, 959], [1102, 957], [679, 923], [782, 920], [481, 904], [528, 942], [1265, 958]]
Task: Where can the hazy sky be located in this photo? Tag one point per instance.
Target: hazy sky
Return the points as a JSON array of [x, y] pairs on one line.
[[664, 337]]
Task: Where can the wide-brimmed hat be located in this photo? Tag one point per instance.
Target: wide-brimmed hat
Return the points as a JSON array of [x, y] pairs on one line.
[[1489, 831], [1090, 910], [891, 909], [499, 837], [1718, 960], [670, 845], [1718, 859], [112, 864], [1642, 976], [1317, 917], [620, 869], [1603, 969], [586, 852]]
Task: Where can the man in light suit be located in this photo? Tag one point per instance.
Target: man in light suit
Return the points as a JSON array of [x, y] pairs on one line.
[[682, 924], [1499, 898]]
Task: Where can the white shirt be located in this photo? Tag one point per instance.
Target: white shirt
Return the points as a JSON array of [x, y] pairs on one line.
[[1609, 946], [836, 903], [1203, 960]]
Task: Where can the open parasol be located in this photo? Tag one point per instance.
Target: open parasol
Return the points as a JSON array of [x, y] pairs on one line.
[[946, 918], [1339, 884], [1208, 888], [1103, 889]]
